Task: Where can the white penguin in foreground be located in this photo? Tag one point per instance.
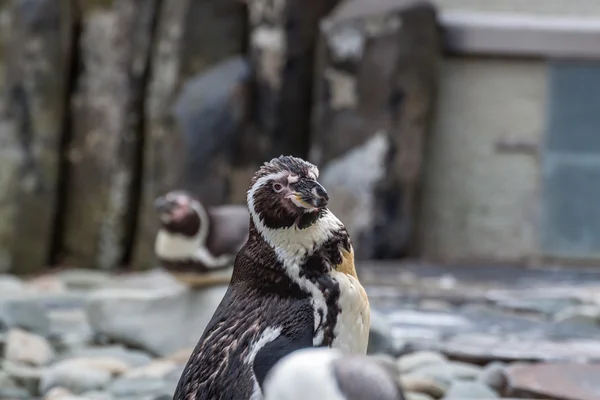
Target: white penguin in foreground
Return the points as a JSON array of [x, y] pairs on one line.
[[329, 374]]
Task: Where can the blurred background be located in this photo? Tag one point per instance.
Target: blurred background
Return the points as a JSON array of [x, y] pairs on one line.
[[459, 141]]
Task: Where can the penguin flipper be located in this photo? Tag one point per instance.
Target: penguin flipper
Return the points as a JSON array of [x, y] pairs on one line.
[[274, 351]]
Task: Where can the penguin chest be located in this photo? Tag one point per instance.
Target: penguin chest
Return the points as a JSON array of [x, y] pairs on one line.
[[353, 321]]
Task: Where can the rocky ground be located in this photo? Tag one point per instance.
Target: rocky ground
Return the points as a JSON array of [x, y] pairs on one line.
[[455, 334]]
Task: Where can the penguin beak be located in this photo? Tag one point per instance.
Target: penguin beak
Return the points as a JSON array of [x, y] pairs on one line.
[[162, 205], [310, 195]]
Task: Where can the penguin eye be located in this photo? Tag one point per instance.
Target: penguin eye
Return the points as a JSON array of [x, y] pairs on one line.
[[277, 187]]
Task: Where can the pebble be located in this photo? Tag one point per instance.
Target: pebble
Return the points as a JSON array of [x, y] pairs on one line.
[[381, 340], [24, 376], [181, 356], [13, 393], [133, 358], [27, 348], [23, 312], [584, 314], [157, 369], [84, 279], [82, 374], [417, 396], [98, 395], [494, 376], [125, 387], [419, 359], [460, 390], [423, 384], [10, 284], [449, 372]]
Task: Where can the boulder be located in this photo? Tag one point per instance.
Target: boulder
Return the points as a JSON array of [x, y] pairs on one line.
[[106, 134], [27, 348], [196, 93], [159, 321], [38, 63], [374, 95]]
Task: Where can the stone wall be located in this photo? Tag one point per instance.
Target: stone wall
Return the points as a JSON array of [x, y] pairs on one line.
[[106, 105]]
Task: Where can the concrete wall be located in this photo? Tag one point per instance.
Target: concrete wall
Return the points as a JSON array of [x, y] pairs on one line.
[[479, 203]]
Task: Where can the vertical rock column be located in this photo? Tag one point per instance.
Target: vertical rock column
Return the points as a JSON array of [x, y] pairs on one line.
[[38, 59], [114, 47], [283, 36], [377, 74], [10, 154], [194, 109]]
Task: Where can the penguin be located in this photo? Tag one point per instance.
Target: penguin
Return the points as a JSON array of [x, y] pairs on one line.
[[328, 374], [197, 244], [294, 286]]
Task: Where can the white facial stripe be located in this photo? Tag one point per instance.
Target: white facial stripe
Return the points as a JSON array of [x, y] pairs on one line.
[[293, 178], [314, 172]]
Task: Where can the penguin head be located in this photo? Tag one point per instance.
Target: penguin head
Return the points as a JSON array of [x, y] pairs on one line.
[[328, 374], [284, 192], [179, 212]]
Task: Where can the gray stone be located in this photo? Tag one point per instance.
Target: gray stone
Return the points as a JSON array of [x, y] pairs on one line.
[[13, 393], [103, 153], [450, 371], [24, 376], [380, 335], [26, 348], [5, 380], [494, 376], [159, 321], [98, 395], [84, 279], [375, 58], [462, 390], [126, 387], [156, 278], [38, 62], [157, 369], [419, 359], [486, 348], [70, 330], [133, 358], [423, 384], [585, 314], [24, 312], [209, 32], [417, 396], [10, 284], [76, 375]]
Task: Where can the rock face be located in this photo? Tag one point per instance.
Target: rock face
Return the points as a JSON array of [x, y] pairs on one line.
[[376, 74], [283, 36], [37, 70], [114, 49], [185, 106]]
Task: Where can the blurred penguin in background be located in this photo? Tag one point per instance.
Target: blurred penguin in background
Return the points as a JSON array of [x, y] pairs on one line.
[[328, 374]]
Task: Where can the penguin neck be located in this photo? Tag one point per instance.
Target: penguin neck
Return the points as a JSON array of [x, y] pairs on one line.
[[177, 247], [291, 244]]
